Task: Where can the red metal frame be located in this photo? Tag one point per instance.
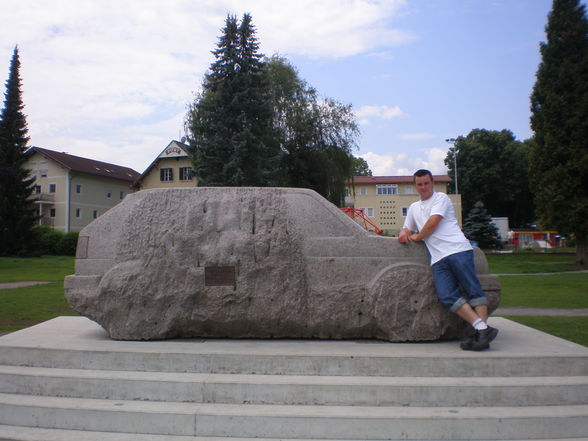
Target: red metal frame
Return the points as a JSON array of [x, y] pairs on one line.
[[358, 215]]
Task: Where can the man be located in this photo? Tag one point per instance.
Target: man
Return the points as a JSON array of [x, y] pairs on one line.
[[432, 220]]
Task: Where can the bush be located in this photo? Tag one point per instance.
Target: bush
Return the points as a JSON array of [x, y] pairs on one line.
[[48, 241]]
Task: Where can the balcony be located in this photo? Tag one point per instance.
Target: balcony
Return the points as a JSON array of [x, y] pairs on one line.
[[42, 198]]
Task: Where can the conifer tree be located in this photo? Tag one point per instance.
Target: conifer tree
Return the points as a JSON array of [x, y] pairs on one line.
[[230, 123], [559, 106], [478, 227], [17, 215]]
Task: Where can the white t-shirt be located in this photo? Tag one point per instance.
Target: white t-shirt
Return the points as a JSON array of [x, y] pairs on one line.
[[447, 238]]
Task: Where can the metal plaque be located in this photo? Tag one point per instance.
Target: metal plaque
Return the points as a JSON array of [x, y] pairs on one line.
[[219, 276]]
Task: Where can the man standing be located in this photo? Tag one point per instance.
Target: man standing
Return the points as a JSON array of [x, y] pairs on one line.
[[432, 220]]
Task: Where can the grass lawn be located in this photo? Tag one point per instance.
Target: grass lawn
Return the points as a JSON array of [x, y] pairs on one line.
[[571, 328], [527, 262], [553, 291], [544, 291], [23, 307]]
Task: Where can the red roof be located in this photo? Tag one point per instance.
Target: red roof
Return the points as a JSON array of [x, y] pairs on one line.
[[394, 179], [85, 165]]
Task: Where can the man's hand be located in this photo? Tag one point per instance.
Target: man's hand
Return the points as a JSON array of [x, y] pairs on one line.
[[404, 236]]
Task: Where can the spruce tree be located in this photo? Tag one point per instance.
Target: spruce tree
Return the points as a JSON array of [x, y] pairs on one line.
[[478, 227], [559, 106], [230, 123], [17, 215]]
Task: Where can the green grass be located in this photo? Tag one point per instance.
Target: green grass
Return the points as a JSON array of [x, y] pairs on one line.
[[553, 291], [48, 268], [571, 328], [544, 291], [23, 307], [526, 262]]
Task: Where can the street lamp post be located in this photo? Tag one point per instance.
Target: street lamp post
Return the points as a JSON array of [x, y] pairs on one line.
[[452, 142]]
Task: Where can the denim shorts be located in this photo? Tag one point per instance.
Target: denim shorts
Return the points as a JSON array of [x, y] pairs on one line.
[[455, 271]]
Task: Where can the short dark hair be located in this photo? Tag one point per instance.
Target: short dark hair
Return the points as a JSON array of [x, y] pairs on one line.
[[420, 173]]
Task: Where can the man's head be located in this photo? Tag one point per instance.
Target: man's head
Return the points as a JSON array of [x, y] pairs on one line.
[[423, 181]]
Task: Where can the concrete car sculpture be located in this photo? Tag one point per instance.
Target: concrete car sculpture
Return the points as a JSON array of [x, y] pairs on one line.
[[254, 263]]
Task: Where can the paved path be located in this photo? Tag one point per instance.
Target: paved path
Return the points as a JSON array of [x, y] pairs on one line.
[[11, 285], [542, 274], [551, 312]]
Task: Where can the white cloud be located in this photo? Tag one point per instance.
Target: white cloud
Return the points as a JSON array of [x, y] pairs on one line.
[[366, 113], [400, 164], [103, 76]]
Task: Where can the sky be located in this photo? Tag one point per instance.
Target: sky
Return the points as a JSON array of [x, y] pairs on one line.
[[111, 79]]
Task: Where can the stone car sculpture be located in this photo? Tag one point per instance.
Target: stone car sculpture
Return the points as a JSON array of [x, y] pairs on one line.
[[254, 263]]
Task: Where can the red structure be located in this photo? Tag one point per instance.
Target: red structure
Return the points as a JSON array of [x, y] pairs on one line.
[[527, 238], [358, 215]]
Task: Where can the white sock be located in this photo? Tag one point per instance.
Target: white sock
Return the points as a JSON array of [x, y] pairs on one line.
[[479, 325]]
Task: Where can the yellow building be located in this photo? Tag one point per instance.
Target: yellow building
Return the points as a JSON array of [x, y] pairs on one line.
[[71, 191], [171, 168], [385, 199]]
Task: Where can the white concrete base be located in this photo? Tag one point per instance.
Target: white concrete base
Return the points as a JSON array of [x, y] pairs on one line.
[[64, 379]]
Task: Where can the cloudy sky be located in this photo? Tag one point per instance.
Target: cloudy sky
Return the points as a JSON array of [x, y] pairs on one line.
[[111, 80]]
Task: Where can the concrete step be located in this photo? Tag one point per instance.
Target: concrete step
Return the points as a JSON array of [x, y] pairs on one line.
[[297, 422], [289, 389], [16, 433], [78, 343], [65, 378]]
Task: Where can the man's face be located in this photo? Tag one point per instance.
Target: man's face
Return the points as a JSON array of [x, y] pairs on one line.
[[424, 186]]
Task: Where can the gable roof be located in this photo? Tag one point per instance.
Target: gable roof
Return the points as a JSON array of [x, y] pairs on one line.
[[173, 150], [374, 180], [85, 165]]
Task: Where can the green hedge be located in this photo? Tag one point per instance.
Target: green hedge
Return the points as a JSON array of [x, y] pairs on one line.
[[48, 241]]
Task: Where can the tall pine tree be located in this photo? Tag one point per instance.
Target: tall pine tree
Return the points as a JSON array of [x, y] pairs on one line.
[[230, 123], [17, 215], [559, 106]]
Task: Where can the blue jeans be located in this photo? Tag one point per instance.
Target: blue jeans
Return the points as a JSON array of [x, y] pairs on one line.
[[454, 271]]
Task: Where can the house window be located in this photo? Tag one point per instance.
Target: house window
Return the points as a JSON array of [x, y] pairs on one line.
[[409, 189], [109, 194], [43, 173], [404, 211], [387, 188], [185, 173], [78, 188], [369, 211], [52, 212], [122, 195], [362, 191], [78, 213], [166, 174], [37, 189], [95, 214], [52, 188]]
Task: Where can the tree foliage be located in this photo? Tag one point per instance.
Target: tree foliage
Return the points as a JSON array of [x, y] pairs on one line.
[[361, 167], [17, 215], [478, 227], [316, 136], [255, 122], [559, 118], [230, 123], [492, 167]]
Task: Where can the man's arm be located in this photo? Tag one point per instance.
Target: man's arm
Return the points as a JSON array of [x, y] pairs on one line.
[[428, 228]]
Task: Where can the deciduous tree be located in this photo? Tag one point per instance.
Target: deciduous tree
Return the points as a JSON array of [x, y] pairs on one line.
[[492, 167], [316, 135]]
